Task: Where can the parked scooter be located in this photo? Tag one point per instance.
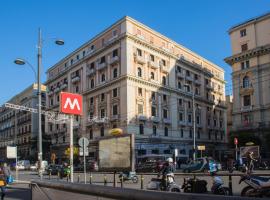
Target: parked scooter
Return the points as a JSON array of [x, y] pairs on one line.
[[127, 176], [192, 185], [170, 185], [257, 186]]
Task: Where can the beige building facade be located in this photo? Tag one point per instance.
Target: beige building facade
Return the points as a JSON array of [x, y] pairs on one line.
[[132, 77], [19, 127], [250, 62]]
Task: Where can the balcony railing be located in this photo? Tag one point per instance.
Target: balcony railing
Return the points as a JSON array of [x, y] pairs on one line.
[[114, 117], [167, 121], [63, 86], [114, 60], [153, 64], [210, 86], [154, 119], [197, 82], [189, 78], [180, 75], [141, 117], [139, 59], [246, 108], [57, 90], [101, 66], [182, 123], [75, 79], [90, 72]]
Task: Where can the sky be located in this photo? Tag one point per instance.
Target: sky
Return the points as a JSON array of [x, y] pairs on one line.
[[200, 25]]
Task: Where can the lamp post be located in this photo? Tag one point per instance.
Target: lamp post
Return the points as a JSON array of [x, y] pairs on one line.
[[194, 122], [22, 62]]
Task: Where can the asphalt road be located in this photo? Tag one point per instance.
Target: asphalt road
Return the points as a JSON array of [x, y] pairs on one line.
[[22, 192]]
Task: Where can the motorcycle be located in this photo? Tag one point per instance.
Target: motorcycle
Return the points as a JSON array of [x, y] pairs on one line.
[[65, 172], [127, 176], [192, 185], [169, 185], [257, 186]]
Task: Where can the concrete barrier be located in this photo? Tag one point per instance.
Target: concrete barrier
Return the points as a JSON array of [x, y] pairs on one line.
[[67, 191]]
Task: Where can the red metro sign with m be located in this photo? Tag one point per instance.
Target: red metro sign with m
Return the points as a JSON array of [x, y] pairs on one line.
[[71, 103]]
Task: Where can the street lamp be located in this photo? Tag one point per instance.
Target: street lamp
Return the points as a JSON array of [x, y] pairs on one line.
[[20, 61], [194, 124]]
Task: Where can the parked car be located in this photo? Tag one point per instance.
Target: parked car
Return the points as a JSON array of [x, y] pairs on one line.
[[34, 166], [200, 165], [23, 165]]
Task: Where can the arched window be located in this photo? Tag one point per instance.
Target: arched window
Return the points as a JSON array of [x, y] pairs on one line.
[[115, 73], [152, 75], [246, 82], [163, 80], [139, 72], [92, 83]]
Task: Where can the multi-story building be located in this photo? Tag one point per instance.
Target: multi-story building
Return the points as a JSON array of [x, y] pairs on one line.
[[136, 79], [250, 62], [19, 127]]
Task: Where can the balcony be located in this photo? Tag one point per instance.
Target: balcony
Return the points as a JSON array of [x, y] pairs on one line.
[[90, 72], [180, 75], [189, 78], [75, 79], [197, 82], [101, 66], [139, 59], [141, 117], [210, 86], [114, 117], [167, 121], [153, 64], [246, 108], [154, 119], [57, 90], [164, 68], [50, 93], [248, 89], [114, 60], [112, 39], [182, 123], [63, 86]]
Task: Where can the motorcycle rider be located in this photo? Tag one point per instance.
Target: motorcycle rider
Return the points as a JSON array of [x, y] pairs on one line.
[[168, 168]]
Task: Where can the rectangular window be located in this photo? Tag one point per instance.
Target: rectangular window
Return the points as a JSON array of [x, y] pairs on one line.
[[246, 100], [209, 135], [102, 97], [163, 62], [152, 58], [153, 96], [141, 129], [198, 134], [181, 116], [115, 53], [165, 113], [139, 52], [154, 112], [91, 134], [115, 92], [140, 109], [102, 113], [115, 109], [190, 133], [164, 97], [182, 133], [243, 32], [187, 73], [91, 100], [140, 91], [180, 102], [102, 60], [189, 118], [244, 47], [198, 120], [247, 64]]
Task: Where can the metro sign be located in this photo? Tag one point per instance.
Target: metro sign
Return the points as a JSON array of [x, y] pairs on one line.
[[71, 103]]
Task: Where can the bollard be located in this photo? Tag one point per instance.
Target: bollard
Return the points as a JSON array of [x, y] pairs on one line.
[[58, 175], [90, 178], [50, 173], [230, 184], [78, 179], [122, 180], [114, 179], [194, 185], [105, 180], [67, 178], [142, 178]]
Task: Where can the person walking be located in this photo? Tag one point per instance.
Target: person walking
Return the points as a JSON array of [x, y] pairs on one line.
[[4, 174], [250, 161]]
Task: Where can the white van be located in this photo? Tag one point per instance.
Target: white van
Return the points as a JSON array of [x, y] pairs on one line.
[[23, 165]]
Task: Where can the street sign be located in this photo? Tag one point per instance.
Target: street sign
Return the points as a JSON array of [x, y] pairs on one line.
[[83, 142], [235, 141], [201, 148], [71, 103], [176, 152], [85, 151], [11, 152]]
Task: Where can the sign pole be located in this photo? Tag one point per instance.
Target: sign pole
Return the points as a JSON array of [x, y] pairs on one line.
[[16, 163], [71, 147], [84, 164], [235, 152]]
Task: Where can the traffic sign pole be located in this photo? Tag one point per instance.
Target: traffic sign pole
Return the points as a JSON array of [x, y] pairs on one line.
[[71, 147], [84, 164]]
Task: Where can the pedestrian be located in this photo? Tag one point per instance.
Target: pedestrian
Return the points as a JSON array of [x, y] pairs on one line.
[[4, 174], [250, 161]]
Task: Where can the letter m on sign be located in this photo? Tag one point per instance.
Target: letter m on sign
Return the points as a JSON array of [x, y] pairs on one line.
[[71, 103]]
